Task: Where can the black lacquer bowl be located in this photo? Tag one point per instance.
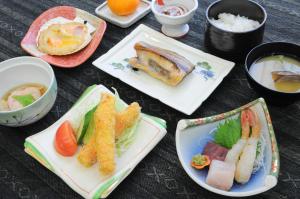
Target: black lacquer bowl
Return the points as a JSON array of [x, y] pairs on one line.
[[234, 45], [267, 49]]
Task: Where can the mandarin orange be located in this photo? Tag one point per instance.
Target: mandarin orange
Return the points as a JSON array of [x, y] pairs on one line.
[[123, 7]]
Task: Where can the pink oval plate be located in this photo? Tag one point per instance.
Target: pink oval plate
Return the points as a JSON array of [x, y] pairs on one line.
[[66, 61]]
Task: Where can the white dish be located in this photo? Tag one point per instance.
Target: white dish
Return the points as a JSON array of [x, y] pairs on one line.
[[88, 182], [185, 97], [104, 12], [175, 26], [23, 70]]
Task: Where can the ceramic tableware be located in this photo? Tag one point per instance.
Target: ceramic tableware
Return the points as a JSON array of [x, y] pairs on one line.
[[22, 70], [185, 97], [193, 134], [88, 182], [174, 26], [104, 12], [234, 45], [267, 49], [67, 61]]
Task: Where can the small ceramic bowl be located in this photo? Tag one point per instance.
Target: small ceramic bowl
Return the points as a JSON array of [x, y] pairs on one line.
[[234, 45], [175, 26], [192, 136], [267, 49], [22, 70]]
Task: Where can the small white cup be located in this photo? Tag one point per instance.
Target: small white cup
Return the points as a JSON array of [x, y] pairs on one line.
[[175, 26]]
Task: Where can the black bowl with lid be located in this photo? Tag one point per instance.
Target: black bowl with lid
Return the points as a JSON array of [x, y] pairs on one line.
[[268, 49], [234, 45]]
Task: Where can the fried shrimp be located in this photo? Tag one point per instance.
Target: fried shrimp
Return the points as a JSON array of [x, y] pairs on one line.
[[105, 121], [127, 118], [109, 126], [124, 120], [88, 153]]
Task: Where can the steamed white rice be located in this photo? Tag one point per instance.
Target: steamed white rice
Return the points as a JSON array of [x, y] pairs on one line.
[[234, 23]]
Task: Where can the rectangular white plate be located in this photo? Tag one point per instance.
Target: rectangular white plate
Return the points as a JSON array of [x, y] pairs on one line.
[[185, 97], [105, 13], [88, 182]]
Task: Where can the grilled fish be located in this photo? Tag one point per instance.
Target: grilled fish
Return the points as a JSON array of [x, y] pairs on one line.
[[161, 64]]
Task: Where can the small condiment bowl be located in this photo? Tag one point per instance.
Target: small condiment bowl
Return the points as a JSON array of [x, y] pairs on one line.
[[175, 26], [22, 70], [234, 45], [267, 49]]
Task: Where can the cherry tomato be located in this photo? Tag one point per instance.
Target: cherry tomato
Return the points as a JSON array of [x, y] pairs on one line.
[[65, 142]]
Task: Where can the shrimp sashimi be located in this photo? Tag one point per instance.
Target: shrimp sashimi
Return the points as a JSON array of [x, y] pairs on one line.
[[127, 118], [105, 121], [236, 150], [245, 164]]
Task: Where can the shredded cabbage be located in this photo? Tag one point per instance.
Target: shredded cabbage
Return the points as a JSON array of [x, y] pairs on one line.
[[259, 160], [123, 143]]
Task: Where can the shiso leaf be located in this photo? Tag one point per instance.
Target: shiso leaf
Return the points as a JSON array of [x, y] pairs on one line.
[[228, 133], [25, 100]]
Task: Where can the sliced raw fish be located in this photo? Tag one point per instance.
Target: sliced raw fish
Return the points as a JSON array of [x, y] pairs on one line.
[[215, 151], [221, 175]]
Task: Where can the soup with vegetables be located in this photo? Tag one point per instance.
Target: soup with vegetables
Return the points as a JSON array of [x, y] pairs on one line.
[[21, 96], [277, 72]]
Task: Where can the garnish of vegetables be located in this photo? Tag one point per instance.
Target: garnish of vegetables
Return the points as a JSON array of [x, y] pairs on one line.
[[65, 141], [228, 133], [25, 100], [200, 161]]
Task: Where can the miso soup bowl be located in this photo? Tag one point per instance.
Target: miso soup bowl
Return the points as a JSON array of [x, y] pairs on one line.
[[267, 49], [22, 70], [234, 45]]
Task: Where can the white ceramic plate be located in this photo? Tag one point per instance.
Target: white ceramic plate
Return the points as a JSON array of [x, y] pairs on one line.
[[88, 182], [185, 97], [104, 12]]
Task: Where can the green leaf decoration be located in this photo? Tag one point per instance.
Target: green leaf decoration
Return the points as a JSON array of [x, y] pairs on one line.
[[228, 133], [204, 65], [25, 100]]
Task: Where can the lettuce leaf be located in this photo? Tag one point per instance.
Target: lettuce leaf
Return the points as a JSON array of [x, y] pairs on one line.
[[228, 133]]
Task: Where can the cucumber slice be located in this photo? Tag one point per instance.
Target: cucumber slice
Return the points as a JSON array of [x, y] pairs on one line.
[[90, 131], [84, 124]]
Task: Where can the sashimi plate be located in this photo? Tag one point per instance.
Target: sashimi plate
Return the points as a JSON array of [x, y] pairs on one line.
[[88, 182], [193, 134], [185, 97]]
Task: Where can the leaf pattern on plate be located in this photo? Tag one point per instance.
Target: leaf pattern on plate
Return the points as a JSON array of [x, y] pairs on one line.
[[205, 70], [123, 65]]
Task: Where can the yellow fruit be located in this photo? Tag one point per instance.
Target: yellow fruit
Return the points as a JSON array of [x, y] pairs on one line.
[[123, 7]]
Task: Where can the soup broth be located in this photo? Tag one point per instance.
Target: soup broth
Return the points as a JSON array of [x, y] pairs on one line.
[[21, 96], [277, 72]]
